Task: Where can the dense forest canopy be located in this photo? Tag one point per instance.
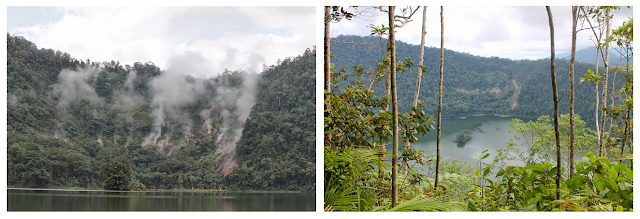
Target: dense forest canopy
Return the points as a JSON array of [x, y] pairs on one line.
[[69, 118]]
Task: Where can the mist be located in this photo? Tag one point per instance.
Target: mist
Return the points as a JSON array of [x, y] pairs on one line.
[[228, 98]]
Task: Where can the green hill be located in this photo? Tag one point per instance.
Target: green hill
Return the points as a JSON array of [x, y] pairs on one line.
[[474, 85], [67, 117]]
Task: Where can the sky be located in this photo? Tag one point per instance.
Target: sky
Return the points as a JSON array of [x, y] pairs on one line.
[[201, 41], [520, 32]]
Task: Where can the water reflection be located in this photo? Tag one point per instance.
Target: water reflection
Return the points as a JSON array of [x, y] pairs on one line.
[[68, 200]]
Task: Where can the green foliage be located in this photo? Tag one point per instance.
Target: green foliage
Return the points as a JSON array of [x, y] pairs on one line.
[[462, 138], [537, 138], [116, 175], [598, 185], [277, 150], [357, 176]]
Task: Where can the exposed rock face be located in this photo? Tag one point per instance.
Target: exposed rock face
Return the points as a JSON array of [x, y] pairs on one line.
[[498, 78], [514, 102], [228, 162]]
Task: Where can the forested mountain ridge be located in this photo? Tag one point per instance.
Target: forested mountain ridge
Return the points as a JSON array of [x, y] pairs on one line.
[[69, 117], [588, 55], [473, 85]]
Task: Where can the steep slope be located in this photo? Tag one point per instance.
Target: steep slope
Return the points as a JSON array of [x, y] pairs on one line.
[[277, 148]]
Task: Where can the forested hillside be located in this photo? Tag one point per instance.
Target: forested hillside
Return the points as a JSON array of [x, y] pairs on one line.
[[277, 149], [473, 84], [71, 122]]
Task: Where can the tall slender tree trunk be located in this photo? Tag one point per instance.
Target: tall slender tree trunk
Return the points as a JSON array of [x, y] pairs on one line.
[[598, 100], [405, 164], [572, 122], [437, 183], [394, 103], [555, 103], [387, 93], [327, 56], [598, 52], [421, 59], [387, 83], [601, 151]]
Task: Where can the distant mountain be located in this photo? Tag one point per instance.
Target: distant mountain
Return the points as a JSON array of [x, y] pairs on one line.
[[588, 55], [473, 85]]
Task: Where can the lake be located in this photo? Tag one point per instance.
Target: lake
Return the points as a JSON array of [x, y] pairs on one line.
[[97, 200], [494, 135]]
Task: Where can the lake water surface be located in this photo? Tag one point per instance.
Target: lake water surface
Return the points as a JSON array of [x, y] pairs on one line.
[[494, 135], [96, 200]]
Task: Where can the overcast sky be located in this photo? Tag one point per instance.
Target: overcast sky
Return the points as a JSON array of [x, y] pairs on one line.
[[508, 32], [201, 41]]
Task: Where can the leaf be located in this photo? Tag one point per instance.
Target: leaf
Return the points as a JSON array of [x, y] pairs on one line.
[[486, 171]]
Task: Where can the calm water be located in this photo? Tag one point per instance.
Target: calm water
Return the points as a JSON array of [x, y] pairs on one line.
[[490, 137], [65, 200]]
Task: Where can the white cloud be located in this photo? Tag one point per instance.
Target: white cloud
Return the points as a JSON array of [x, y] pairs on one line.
[[510, 32], [257, 35]]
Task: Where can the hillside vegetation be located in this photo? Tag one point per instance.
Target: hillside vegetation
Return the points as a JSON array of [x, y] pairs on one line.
[[68, 118]]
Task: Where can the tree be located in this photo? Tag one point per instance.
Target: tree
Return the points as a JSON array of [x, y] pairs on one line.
[[623, 38], [574, 18], [327, 52], [436, 184], [36, 173], [590, 76], [421, 59], [394, 106], [117, 174], [555, 104], [607, 23], [533, 141], [403, 19]]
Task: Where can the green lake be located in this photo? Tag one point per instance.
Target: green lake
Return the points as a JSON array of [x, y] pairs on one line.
[[96, 200], [494, 135]]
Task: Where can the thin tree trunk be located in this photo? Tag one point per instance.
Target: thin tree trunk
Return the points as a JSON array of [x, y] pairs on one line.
[[624, 135], [394, 103], [613, 100], [437, 183], [387, 83], [598, 52], [598, 101], [602, 149], [421, 59], [572, 122], [555, 104], [327, 56]]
